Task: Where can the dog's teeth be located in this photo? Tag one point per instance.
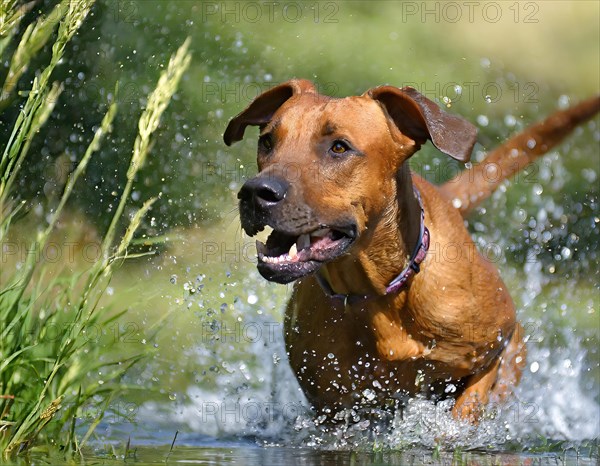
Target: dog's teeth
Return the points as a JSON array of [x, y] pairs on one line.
[[302, 242], [320, 233], [293, 252], [286, 257]]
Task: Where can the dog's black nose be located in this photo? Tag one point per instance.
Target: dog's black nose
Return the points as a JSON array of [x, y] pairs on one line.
[[264, 191]]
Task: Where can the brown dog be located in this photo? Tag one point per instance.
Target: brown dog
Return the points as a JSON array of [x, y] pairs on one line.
[[391, 298]]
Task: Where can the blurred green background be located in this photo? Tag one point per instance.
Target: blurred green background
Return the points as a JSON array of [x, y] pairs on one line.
[[523, 56], [502, 65]]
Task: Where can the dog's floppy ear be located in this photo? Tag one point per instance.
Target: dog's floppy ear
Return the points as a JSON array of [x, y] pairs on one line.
[[420, 119], [262, 108]]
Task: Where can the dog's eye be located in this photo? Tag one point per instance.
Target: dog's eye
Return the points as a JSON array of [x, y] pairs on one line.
[[265, 142], [339, 147]]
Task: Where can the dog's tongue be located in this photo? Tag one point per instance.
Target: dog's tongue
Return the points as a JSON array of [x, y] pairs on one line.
[[323, 241]]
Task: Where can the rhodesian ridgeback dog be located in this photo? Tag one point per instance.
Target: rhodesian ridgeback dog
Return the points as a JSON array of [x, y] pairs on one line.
[[378, 312]]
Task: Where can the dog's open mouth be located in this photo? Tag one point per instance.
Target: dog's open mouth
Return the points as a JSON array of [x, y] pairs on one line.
[[286, 257]]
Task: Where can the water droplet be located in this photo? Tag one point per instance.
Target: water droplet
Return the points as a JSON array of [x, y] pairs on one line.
[[534, 367], [563, 102], [589, 175], [451, 388], [510, 120], [369, 394], [482, 120]]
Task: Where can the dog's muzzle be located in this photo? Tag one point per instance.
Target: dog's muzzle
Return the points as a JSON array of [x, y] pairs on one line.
[[299, 243]]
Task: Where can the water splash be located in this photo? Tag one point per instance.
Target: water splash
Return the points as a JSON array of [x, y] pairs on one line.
[[258, 398]]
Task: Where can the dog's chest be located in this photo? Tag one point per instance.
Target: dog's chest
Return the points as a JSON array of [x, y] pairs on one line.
[[335, 352]]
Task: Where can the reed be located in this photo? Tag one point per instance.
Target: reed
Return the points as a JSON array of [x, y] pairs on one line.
[[47, 378]]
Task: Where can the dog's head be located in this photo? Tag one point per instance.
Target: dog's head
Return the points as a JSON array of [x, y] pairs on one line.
[[327, 167]]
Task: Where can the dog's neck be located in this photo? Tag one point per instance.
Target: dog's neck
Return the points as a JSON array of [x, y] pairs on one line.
[[388, 246]]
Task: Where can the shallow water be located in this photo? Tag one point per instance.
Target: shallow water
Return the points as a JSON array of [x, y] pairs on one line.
[[253, 456], [253, 412]]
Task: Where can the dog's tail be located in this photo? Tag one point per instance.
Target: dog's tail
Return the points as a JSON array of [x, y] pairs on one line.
[[470, 187]]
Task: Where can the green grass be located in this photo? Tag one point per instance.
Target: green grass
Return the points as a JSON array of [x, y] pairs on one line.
[[51, 369]]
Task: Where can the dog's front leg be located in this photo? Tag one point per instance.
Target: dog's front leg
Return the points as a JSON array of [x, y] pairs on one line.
[[471, 402], [496, 382]]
